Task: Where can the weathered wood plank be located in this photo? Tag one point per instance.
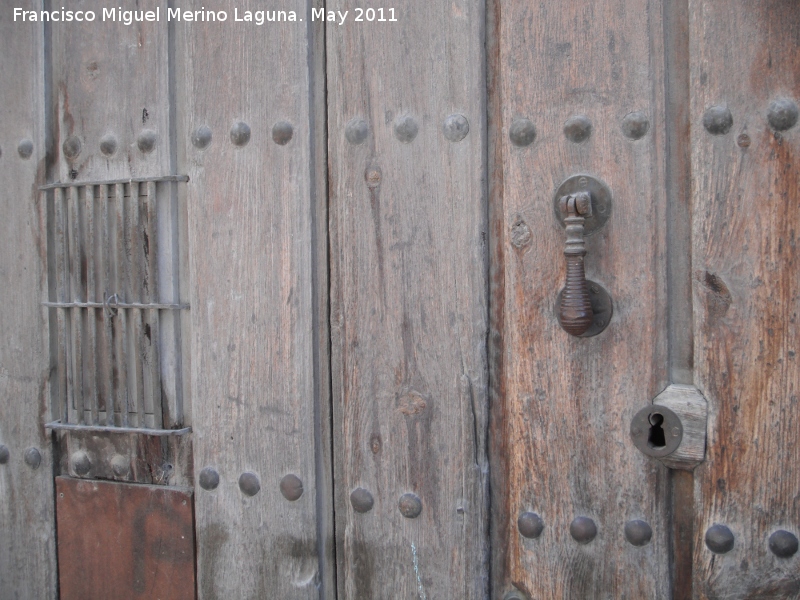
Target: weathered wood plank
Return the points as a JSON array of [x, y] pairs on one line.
[[563, 405], [111, 89], [246, 137], [27, 549], [409, 299], [746, 187]]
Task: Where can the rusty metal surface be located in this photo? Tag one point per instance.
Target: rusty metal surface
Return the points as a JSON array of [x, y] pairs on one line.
[[124, 541]]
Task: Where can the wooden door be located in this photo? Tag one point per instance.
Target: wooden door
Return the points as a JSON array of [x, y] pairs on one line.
[[292, 282]]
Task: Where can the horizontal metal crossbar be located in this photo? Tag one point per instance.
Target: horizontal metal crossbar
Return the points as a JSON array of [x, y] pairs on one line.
[[115, 305], [58, 425], [52, 186]]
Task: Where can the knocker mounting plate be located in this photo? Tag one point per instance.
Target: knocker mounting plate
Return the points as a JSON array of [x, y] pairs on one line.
[[601, 200]]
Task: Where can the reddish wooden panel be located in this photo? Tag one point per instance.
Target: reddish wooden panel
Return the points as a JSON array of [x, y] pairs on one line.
[[123, 541]]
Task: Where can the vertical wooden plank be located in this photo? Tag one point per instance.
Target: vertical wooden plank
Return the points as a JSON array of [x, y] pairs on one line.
[[579, 73], [111, 87], [745, 60], [27, 552], [247, 136], [409, 299]]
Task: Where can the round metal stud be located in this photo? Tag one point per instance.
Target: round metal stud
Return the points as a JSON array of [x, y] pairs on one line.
[[638, 532], [656, 430], [578, 129], [25, 148], [291, 487], [410, 506], [4, 455], [522, 132], [530, 525], [240, 133], [81, 463], [601, 200], [783, 544], [201, 137], [120, 465], [583, 530], [249, 483], [361, 500], [282, 132], [718, 120], [373, 176], [209, 478], [455, 127], [1, 152], [72, 147], [782, 114], [405, 128], [719, 539], [356, 131], [33, 458], [108, 145], [146, 140], [635, 125]]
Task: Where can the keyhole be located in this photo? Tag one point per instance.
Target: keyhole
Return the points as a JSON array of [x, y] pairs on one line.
[[656, 439]]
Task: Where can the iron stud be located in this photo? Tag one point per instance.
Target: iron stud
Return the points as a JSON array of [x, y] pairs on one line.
[[108, 145], [4, 455], [455, 127], [240, 133], [146, 141], [530, 525], [638, 532], [782, 114], [578, 129], [356, 131], [410, 506], [635, 125], [406, 128], [72, 147], [583, 530], [81, 463], [718, 120], [33, 458], [522, 132], [783, 544], [25, 148], [282, 132], [249, 483], [209, 478], [361, 500], [719, 539], [201, 137], [291, 487]]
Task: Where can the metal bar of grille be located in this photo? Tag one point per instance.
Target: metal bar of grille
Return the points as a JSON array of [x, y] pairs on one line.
[[106, 353], [75, 254], [117, 305], [90, 317], [104, 429], [121, 322], [154, 339], [135, 243]]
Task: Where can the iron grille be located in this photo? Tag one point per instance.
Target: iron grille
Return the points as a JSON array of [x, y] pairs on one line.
[[116, 255]]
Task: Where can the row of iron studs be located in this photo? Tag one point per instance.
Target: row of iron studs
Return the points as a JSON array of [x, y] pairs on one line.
[[719, 538]]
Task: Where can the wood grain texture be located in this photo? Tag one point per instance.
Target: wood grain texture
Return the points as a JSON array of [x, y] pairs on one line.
[[27, 529], [745, 221], [409, 301], [258, 338], [568, 402], [110, 80]]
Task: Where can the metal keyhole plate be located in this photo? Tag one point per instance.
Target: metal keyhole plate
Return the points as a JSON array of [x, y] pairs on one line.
[[654, 425], [602, 308], [601, 200]]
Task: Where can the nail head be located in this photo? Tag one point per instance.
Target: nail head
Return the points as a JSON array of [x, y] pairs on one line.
[[356, 131], [405, 128], [201, 137], [249, 483], [455, 127], [782, 114], [583, 530], [638, 533], [72, 147], [120, 465], [33, 458], [635, 125], [718, 120], [578, 129], [361, 500], [719, 539], [108, 145], [530, 525], [25, 148], [522, 132], [240, 133], [4, 455], [282, 132], [209, 478], [291, 487], [81, 463], [146, 140], [410, 506], [783, 544]]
